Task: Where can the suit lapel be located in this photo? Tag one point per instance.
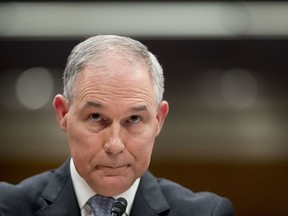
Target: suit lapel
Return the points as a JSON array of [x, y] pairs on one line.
[[149, 199], [59, 197]]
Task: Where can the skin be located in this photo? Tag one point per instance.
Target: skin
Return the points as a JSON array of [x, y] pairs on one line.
[[111, 124]]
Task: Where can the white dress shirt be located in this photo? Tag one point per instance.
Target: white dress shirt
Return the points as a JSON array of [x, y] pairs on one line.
[[84, 192]]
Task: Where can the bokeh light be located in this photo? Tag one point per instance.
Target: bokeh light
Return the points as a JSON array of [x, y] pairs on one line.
[[35, 87]]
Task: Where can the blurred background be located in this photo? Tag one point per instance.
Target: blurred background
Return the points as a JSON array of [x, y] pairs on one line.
[[225, 64]]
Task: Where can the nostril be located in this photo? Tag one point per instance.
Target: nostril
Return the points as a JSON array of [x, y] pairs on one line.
[[114, 146]]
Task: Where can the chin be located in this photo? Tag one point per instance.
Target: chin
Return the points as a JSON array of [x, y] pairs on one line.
[[112, 185]]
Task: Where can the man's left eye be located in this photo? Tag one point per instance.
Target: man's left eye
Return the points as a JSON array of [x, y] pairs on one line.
[[134, 119]]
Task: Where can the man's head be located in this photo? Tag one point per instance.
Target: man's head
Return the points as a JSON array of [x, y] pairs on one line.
[[112, 110], [96, 48]]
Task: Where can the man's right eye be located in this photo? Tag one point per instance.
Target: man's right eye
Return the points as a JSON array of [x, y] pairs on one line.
[[96, 117]]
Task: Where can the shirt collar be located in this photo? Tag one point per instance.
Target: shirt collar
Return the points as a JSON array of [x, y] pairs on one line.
[[84, 192]]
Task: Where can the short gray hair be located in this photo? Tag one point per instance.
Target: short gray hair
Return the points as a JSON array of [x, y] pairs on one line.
[[98, 46]]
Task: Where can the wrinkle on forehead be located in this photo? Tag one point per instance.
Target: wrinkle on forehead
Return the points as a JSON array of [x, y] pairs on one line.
[[117, 81], [115, 95], [100, 106]]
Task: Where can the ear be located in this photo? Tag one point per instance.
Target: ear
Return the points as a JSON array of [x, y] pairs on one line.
[[162, 112], [61, 106]]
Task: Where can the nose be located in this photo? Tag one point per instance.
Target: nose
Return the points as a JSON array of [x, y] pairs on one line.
[[114, 144]]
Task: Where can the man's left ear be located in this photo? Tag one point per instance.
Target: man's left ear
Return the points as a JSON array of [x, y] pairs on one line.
[[162, 112]]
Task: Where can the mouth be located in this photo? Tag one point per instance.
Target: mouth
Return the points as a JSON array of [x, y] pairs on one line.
[[113, 170]]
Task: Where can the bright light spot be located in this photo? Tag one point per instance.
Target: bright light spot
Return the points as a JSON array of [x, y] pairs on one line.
[[35, 87], [236, 18], [239, 88]]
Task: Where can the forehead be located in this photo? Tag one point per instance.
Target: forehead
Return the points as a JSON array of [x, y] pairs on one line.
[[116, 77], [116, 68]]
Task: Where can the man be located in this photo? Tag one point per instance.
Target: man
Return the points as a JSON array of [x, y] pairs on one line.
[[112, 111]]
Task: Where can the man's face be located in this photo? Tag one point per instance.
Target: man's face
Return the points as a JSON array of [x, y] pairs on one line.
[[111, 124]]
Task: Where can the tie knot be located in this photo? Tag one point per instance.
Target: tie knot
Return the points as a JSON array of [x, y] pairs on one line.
[[101, 206]]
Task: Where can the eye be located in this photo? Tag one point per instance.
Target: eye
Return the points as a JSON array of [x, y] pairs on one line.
[[96, 117], [134, 119]]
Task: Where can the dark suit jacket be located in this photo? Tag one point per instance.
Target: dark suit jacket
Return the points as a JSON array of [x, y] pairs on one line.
[[52, 194]]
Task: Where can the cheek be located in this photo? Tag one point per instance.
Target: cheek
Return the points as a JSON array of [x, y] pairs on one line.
[[142, 148], [84, 149], [148, 138], [143, 157], [82, 145]]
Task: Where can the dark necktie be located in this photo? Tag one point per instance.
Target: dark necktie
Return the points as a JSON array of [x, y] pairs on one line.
[[101, 206]]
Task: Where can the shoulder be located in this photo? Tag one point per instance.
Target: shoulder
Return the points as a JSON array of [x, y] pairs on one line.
[[23, 196], [27, 186], [181, 198], [183, 201], [35, 193]]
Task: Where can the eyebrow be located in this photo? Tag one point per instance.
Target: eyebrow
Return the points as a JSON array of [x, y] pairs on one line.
[[93, 104], [139, 108], [97, 104]]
